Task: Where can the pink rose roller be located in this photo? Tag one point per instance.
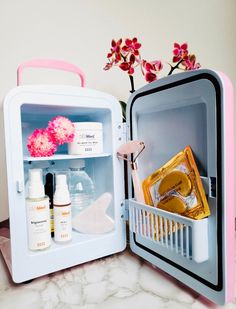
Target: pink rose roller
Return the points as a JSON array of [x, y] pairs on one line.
[[129, 148]]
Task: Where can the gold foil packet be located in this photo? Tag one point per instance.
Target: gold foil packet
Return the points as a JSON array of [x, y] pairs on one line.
[[176, 187]]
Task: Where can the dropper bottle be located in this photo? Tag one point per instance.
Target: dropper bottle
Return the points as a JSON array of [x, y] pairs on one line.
[[38, 213], [62, 211]]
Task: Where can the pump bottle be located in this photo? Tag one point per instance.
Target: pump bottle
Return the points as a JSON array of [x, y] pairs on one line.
[[38, 212]]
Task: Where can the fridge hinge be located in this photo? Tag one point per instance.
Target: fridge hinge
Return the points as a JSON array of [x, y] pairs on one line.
[[122, 132], [209, 184], [125, 210]]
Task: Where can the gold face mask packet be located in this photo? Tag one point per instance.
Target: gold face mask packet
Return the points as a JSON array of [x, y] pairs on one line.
[[176, 187]]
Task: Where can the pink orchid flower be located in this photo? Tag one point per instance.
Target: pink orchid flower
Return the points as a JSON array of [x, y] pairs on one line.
[[115, 47], [115, 50], [128, 66], [180, 52], [191, 64], [132, 46], [152, 69], [108, 65]]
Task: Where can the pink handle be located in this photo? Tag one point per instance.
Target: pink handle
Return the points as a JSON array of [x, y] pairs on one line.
[[50, 64]]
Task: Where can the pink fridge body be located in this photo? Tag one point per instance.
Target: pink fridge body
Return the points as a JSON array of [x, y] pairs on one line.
[[191, 108]]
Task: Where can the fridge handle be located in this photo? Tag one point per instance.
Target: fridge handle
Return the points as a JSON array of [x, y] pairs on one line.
[[50, 64]]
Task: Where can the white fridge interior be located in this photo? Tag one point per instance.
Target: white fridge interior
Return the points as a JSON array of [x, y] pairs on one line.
[[32, 110]]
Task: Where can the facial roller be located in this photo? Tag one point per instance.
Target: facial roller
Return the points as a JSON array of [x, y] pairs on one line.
[[135, 148]]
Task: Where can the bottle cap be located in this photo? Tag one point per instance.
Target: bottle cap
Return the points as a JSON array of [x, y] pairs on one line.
[[77, 163], [36, 187], [62, 195]]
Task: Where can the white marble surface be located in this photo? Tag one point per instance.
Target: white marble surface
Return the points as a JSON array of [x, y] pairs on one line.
[[119, 281]]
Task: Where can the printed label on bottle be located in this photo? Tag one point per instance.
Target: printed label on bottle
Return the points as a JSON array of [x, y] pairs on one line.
[[39, 230], [52, 220], [62, 223]]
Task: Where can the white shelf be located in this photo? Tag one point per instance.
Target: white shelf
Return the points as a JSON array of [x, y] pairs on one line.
[[78, 239], [65, 157]]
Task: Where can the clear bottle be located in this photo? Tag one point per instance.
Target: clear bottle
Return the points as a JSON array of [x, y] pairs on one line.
[[38, 213], [81, 187], [62, 211]]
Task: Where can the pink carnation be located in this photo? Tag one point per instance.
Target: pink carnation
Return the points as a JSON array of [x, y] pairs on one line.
[[41, 144], [61, 129]]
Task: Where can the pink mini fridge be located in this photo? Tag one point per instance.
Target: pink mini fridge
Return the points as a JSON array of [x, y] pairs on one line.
[[192, 108]]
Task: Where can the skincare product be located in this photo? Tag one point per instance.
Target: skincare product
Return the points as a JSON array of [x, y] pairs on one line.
[[81, 187], [177, 187], [44, 166], [88, 138], [62, 210], [38, 213], [134, 148], [49, 188]]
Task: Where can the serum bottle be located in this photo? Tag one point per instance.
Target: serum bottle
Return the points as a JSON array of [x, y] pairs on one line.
[[62, 211], [49, 181], [38, 213]]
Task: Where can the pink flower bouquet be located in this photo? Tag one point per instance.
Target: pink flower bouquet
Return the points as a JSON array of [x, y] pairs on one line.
[[61, 129], [43, 142]]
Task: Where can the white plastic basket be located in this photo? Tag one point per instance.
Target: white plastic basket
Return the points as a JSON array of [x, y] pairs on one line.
[[183, 236]]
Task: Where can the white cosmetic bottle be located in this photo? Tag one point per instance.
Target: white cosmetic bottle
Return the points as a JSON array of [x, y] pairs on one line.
[[38, 212], [62, 211]]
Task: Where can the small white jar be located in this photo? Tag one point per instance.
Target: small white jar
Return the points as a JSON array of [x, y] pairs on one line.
[[88, 139]]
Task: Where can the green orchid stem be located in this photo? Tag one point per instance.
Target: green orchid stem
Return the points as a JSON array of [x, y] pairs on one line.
[[132, 83], [175, 67]]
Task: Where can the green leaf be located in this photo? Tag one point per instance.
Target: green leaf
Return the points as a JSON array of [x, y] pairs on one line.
[[123, 107]]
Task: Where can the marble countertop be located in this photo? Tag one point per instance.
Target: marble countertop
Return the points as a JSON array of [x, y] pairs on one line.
[[119, 281]]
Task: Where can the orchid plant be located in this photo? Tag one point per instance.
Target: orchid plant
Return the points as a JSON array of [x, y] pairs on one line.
[[126, 55], [183, 59]]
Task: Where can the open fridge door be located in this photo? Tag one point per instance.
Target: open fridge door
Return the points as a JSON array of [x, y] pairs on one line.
[[192, 108]]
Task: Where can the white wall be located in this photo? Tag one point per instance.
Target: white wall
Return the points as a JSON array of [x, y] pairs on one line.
[[80, 32]]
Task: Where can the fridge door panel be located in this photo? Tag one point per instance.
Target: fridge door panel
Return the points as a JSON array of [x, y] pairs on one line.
[[30, 107], [196, 109]]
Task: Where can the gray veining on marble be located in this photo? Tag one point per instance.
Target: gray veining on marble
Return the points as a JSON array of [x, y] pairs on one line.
[[119, 281]]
